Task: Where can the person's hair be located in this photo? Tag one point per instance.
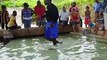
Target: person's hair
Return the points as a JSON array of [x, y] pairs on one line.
[[26, 4], [14, 12], [87, 7], [38, 1], [63, 6], [3, 7], [73, 3]]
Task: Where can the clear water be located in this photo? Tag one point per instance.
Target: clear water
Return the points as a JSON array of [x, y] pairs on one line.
[[73, 48]]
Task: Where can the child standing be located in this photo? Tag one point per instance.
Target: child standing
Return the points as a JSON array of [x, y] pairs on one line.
[[87, 17], [12, 22], [75, 20], [4, 17]]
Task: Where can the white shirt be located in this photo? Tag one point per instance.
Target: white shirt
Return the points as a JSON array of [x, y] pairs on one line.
[[64, 15]]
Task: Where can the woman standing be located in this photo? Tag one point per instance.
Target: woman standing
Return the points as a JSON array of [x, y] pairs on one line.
[[26, 15]]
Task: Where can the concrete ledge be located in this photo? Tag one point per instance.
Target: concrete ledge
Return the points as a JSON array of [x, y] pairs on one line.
[[99, 32], [20, 32], [65, 29], [36, 31]]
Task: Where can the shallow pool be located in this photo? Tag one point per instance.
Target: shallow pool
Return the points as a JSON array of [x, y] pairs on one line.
[[74, 47]]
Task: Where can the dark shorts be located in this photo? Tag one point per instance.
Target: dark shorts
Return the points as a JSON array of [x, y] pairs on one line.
[[73, 23], [40, 22], [63, 23]]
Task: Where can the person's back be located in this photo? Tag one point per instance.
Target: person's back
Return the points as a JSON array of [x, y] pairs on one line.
[[51, 30], [39, 10], [52, 13], [11, 21]]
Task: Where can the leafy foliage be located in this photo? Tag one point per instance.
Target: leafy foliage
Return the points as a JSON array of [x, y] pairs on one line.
[[59, 3]]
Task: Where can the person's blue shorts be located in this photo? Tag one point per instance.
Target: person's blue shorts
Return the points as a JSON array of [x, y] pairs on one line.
[[51, 32]]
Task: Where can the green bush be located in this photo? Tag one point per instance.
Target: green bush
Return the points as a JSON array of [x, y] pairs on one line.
[[58, 3]]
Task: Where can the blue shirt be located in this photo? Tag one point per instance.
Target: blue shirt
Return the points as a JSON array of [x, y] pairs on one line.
[[97, 7]]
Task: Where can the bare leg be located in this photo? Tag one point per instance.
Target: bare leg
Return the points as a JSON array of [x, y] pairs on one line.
[[85, 25], [73, 28], [104, 32], [78, 27], [96, 28]]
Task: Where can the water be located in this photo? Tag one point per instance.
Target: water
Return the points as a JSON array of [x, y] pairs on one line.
[[74, 47]]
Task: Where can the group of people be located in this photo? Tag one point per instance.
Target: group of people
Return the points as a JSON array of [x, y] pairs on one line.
[[51, 18], [6, 21]]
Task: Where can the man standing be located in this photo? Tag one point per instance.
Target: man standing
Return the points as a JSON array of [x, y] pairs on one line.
[[51, 30], [39, 11]]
